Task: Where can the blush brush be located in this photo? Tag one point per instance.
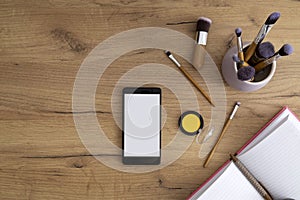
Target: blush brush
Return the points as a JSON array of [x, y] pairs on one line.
[[263, 51], [285, 50], [246, 72], [264, 30]]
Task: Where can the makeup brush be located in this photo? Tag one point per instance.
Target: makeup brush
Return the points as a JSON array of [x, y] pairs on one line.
[[188, 76], [211, 153], [236, 59], [245, 73], [285, 50], [203, 25], [264, 30], [239, 43], [263, 51]]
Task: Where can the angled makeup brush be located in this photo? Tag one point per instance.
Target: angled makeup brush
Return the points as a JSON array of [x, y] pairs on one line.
[[263, 51], [245, 73], [188, 76], [239, 43], [203, 25], [285, 50], [264, 30]]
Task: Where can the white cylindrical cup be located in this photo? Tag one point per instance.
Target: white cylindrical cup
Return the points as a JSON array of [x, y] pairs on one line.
[[229, 72]]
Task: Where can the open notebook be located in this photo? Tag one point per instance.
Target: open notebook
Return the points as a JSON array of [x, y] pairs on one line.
[[272, 156]]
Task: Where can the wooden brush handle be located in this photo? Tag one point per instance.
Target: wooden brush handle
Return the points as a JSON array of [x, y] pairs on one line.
[[196, 85], [241, 55], [198, 56], [211, 153], [250, 51], [245, 64], [261, 65]]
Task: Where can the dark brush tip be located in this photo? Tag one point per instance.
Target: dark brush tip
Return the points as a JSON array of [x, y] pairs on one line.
[[265, 50], [203, 24], [273, 18], [168, 53], [238, 32], [285, 50], [246, 73]]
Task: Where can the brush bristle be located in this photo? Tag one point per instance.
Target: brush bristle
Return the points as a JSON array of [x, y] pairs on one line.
[[238, 32], [273, 18], [285, 50], [246, 73], [236, 59], [168, 53], [203, 24], [265, 50]]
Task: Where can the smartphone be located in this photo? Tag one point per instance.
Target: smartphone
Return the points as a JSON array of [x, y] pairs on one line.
[[141, 126]]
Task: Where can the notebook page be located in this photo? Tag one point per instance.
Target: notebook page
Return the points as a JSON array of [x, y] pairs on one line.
[[268, 130], [231, 185], [275, 161], [209, 182]]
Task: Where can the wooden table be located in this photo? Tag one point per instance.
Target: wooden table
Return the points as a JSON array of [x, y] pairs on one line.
[[43, 44]]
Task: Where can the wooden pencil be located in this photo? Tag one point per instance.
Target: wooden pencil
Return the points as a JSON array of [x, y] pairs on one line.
[[256, 184]]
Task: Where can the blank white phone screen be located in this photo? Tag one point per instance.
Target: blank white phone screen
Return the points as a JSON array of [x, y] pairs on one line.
[[142, 125]]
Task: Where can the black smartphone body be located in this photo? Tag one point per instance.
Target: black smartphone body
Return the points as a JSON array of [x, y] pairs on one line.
[[141, 126]]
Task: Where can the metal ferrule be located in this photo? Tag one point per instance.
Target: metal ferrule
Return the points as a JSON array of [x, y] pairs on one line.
[[239, 44], [276, 56], [272, 59], [264, 30], [201, 37], [234, 110], [174, 60]]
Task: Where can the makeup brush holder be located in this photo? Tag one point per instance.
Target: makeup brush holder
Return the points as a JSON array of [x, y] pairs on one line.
[[230, 69]]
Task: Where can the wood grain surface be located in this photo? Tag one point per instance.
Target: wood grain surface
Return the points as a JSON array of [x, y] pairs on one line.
[[43, 44]]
